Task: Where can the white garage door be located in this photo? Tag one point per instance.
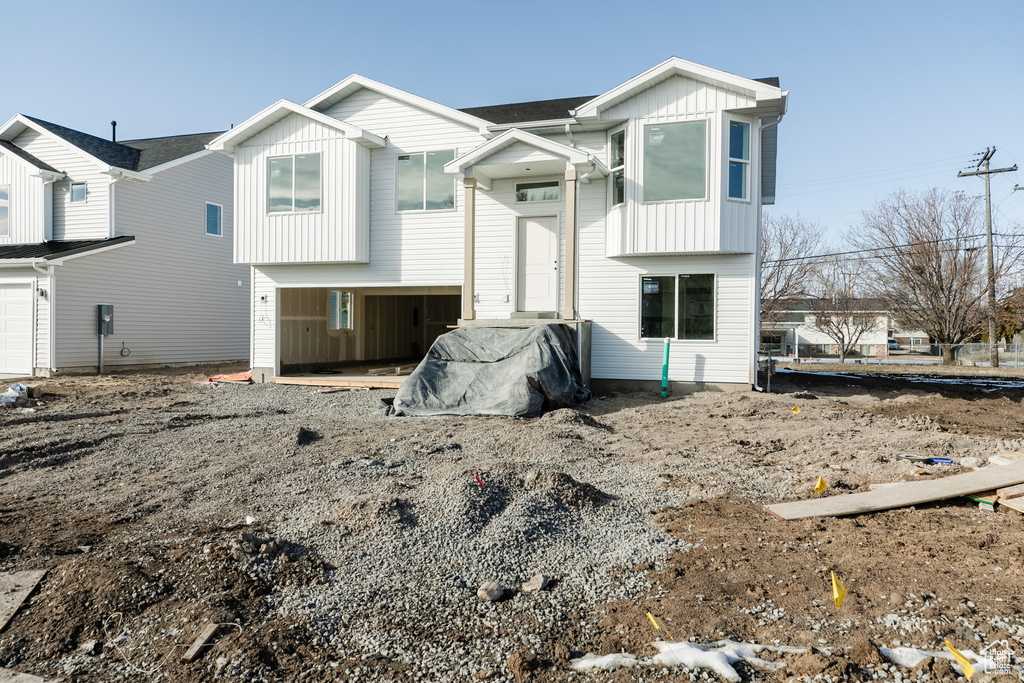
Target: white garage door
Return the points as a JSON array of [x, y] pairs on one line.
[[16, 329]]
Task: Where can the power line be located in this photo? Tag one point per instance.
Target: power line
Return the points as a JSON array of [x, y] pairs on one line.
[[875, 172], [867, 251]]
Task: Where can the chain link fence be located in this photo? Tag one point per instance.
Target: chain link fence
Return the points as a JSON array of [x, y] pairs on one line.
[[1010, 355]]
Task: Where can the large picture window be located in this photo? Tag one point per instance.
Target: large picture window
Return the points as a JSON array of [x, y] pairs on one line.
[[677, 306], [5, 209], [422, 183], [675, 161], [293, 183], [739, 159]]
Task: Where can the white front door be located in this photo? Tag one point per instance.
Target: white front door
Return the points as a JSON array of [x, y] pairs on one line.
[[16, 329], [537, 264]]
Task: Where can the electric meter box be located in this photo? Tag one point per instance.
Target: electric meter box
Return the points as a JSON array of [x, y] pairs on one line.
[[104, 319]]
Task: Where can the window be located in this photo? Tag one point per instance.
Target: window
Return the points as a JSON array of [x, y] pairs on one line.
[[213, 213], [739, 159], [78, 192], [341, 310], [293, 183], [675, 161], [618, 167], [677, 306], [5, 205], [537, 192], [422, 182]]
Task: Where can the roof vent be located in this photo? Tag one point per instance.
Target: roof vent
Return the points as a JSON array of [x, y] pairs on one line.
[[113, 131]]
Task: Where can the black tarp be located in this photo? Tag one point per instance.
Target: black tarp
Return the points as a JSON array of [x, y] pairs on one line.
[[519, 372]]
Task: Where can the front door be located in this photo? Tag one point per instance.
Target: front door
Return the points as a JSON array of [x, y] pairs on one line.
[[537, 264]]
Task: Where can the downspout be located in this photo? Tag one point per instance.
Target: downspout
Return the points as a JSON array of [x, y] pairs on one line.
[[50, 296], [761, 125]]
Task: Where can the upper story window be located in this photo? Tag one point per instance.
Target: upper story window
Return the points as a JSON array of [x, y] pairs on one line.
[[547, 191], [422, 183], [78, 192], [675, 161], [618, 167], [5, 205], [293, 183], [213, 218], [739, 159], [679, 306]]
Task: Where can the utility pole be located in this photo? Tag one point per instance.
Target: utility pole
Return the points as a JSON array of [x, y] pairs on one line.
[[993, 348]]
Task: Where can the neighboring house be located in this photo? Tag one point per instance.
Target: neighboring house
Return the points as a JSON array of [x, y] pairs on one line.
[[794, 334], [143, 225], [374, 219]]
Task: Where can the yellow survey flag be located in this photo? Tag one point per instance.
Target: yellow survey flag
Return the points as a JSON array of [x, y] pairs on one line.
[[659, 625], [961, 660], [796, 410], [820, 485], [838, 590]]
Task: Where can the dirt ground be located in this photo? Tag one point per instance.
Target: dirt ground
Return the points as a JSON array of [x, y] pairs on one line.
[[150, 547]]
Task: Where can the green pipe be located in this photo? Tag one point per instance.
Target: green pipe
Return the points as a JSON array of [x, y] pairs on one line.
[[664, 372]]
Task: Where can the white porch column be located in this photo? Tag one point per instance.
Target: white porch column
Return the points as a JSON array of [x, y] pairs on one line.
[[569, 305], [469, 260]]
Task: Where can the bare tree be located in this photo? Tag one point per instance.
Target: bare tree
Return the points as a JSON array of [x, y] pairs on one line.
[[840, 312], [929, 262], [787, 247]]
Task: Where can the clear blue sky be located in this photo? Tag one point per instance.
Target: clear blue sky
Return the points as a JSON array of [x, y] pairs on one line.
[[883, 95]]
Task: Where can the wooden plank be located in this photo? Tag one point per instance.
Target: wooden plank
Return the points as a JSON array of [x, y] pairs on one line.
[[987, 497], [913, 493], [1010, 492], [1013, 503], [348, 382], [8, 676], [199, 643], [14, 588]]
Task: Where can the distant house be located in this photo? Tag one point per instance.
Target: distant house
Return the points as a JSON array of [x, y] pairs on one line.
[[143, 225], [374, 219], [794, 334]]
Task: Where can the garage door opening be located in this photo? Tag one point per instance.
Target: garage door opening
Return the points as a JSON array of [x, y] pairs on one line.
[[338, 329]]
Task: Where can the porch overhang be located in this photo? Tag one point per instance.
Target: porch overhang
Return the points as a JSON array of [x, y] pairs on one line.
[[519, 154]]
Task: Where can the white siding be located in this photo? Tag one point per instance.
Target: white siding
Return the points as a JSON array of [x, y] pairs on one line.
[[86, 220], [177, 297], [26, 215], [32, 280], [264, 315], [682, 226], [336, 233]]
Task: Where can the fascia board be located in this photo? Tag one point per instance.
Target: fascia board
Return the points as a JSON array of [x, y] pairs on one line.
[[36, 171], [227, 141], [672, 67], [178, 162], [474, 156], [356, 82], [59, 260]]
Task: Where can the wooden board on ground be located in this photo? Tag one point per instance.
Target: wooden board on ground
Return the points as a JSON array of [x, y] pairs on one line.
[[987, 497], [349, 382], [8, 676], [1014, 504], [203, 638], [1011, 492], [913, 493], [14, 588], [393, 370]]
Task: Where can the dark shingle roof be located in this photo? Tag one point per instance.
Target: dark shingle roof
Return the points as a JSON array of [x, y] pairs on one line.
[[132, 155], [541, 110], [18, 151], [59, 248], [771, 80]]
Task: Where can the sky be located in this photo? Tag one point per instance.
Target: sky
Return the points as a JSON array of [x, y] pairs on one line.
[[883, 95]]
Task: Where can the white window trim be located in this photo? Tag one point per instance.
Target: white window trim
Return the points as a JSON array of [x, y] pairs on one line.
[[707, 159], [220, 220], [455, 190], [675, 337], [612, 170], [539, 179], [71, 192], [729, 159], [293, 212]]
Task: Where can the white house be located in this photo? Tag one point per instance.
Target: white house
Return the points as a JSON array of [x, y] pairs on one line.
[[145, 226], [373, 219]]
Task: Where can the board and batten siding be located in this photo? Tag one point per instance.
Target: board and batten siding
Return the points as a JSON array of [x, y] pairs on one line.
[[88, 220], [338, 232], [703, 225], [177, 296], [26, 217]]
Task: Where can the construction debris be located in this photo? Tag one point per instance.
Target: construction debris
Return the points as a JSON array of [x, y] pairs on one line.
[[14, 588], [8, 676], [199, 643]]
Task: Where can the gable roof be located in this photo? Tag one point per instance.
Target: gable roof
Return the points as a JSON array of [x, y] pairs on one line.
[[25, 156], [226, 141], [522, 112], [355, 82], [130, 155], [475, 156]]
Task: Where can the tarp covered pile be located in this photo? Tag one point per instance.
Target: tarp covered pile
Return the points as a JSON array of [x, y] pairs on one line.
[[519, 372]]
